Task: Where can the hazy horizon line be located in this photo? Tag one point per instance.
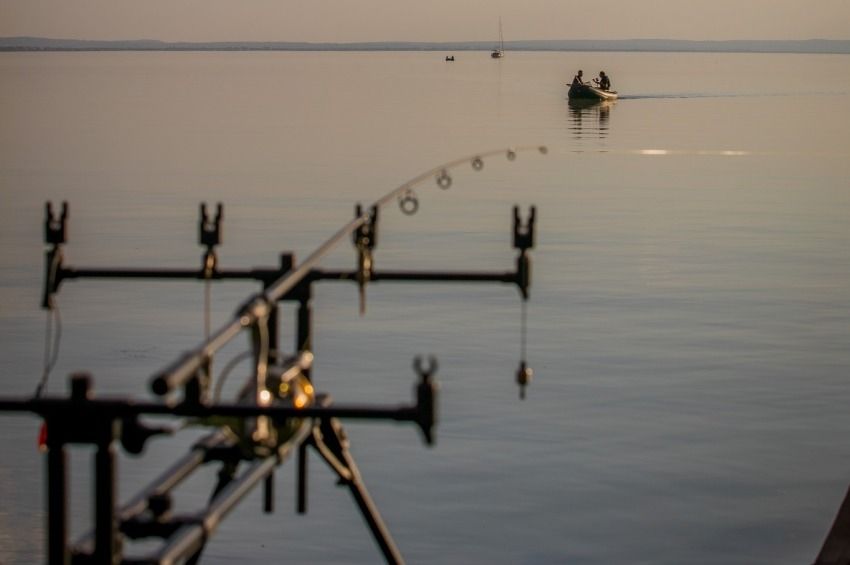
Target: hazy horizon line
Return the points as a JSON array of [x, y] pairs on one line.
[[813, 45]]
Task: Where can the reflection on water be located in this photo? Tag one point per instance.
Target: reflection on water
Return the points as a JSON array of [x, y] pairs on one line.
[[589, 118]]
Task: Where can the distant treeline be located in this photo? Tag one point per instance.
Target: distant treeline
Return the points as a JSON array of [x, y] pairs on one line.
[[737, 46]]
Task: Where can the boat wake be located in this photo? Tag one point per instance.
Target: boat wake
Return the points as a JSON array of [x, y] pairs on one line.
[[653, 96], [682, 95]]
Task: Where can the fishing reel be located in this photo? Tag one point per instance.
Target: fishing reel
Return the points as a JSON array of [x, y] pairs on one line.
[[286, 386]]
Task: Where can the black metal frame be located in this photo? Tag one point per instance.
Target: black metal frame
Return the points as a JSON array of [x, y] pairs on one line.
[[82, 419]]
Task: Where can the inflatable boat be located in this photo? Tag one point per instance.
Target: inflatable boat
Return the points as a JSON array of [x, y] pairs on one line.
[[587, 92]]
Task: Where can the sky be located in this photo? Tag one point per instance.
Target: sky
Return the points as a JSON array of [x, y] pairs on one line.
[[428, 20]]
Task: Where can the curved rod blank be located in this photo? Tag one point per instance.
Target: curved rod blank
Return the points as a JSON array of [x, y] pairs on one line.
[[258, 307]]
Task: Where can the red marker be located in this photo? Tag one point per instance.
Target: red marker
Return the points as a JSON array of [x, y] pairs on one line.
[[42, 437]]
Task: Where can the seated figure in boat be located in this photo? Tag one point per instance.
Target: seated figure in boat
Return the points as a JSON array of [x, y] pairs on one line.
[[603, 82], [577, 80]]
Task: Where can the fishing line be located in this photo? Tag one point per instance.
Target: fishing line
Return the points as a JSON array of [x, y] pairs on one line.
[[524, 373], [207, 303], [262, 352], [523, 340], [219, 385], [51, 346]]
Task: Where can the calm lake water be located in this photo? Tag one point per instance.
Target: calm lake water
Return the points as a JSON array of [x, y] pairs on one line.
[[689, 324]]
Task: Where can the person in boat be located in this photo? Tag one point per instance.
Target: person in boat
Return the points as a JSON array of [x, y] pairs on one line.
[[577, 80], [603, 81]]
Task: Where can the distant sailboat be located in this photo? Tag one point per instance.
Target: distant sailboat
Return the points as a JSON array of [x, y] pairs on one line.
[[499, 52]]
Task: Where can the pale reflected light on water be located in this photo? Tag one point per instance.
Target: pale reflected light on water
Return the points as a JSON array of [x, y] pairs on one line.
[[720, 153], [688, 322]]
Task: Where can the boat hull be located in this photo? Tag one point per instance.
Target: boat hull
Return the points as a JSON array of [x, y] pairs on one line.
[[584, 103], [590, 93]]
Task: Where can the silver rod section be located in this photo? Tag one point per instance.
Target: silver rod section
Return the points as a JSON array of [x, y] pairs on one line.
[[182, 370], [191, 538], [165, 482], [174, 475], [286, 283]]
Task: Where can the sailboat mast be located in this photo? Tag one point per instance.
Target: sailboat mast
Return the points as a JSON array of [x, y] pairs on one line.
[[501, 39], [499, 52]]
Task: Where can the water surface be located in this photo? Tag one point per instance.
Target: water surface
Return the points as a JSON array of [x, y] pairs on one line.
[[689, 317]]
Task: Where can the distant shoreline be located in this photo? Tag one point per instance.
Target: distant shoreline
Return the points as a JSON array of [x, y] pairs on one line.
[[809, 46]]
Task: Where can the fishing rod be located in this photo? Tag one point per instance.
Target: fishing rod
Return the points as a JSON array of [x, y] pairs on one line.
[[364, 224], [277, 412]]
